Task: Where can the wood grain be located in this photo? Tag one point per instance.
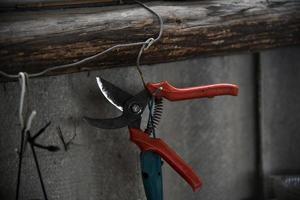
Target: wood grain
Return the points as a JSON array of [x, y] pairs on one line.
[[6, 5], [34, 40]]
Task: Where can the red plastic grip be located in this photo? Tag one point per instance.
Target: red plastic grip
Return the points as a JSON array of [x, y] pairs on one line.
[[164, 89], [158, 146]]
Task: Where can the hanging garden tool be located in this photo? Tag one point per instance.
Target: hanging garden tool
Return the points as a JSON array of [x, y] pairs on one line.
[[153, 148]]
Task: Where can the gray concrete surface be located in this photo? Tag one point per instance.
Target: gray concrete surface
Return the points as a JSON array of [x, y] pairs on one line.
[[215, 136], [280, 113]]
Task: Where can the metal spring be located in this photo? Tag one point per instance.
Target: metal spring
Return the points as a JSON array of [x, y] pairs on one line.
[[156, 116]]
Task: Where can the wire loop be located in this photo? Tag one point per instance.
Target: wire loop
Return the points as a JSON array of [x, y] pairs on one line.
[[148, 42]]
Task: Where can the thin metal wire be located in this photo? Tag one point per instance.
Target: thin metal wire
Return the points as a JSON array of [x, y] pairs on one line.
[[25, 128], [22, 79], [147, 44], [20, 164], [25, 133], [23, 91], [37, 167], [29, 121], [161, 23], [138, 61]]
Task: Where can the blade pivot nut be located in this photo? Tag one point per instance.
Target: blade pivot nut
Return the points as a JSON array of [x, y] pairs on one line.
[[135, 108]]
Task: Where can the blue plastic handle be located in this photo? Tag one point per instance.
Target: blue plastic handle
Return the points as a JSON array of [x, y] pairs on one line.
[[152, 175]]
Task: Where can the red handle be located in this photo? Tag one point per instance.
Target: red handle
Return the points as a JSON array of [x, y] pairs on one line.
[[158, 146], [164, 89]]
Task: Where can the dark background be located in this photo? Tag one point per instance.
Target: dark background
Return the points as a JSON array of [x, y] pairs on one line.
[[231, 142]]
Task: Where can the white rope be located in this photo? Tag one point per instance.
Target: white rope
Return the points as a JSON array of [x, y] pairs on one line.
[[23, 77], [29, 121]]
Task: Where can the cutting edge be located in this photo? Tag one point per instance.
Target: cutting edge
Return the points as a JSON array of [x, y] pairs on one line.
[[105, 93]]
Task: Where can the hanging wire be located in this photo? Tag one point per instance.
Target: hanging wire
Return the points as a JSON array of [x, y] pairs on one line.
[[25, 134], [138, 67], [29, 122], [23, 91], [37, 166], [23, 76], [146, 44], [20, 164]]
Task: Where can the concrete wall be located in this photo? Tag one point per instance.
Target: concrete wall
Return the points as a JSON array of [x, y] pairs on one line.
[[215, 136], [280, 113]]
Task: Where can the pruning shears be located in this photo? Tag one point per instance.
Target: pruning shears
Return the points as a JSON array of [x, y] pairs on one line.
[[152, 148]]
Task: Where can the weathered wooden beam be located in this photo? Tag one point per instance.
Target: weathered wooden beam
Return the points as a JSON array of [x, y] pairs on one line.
[[51, 4], [35, 40]]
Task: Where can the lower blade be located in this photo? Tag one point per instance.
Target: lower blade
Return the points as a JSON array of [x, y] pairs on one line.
[[113, 123]]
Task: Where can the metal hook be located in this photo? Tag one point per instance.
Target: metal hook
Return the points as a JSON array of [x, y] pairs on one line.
[[145, 46], [148, 43]]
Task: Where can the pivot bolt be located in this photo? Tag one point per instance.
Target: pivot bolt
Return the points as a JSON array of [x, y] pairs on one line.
[[135, 108]]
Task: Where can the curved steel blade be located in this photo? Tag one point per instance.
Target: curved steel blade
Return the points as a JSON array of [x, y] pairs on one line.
[[113, 123], [113, 94]]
